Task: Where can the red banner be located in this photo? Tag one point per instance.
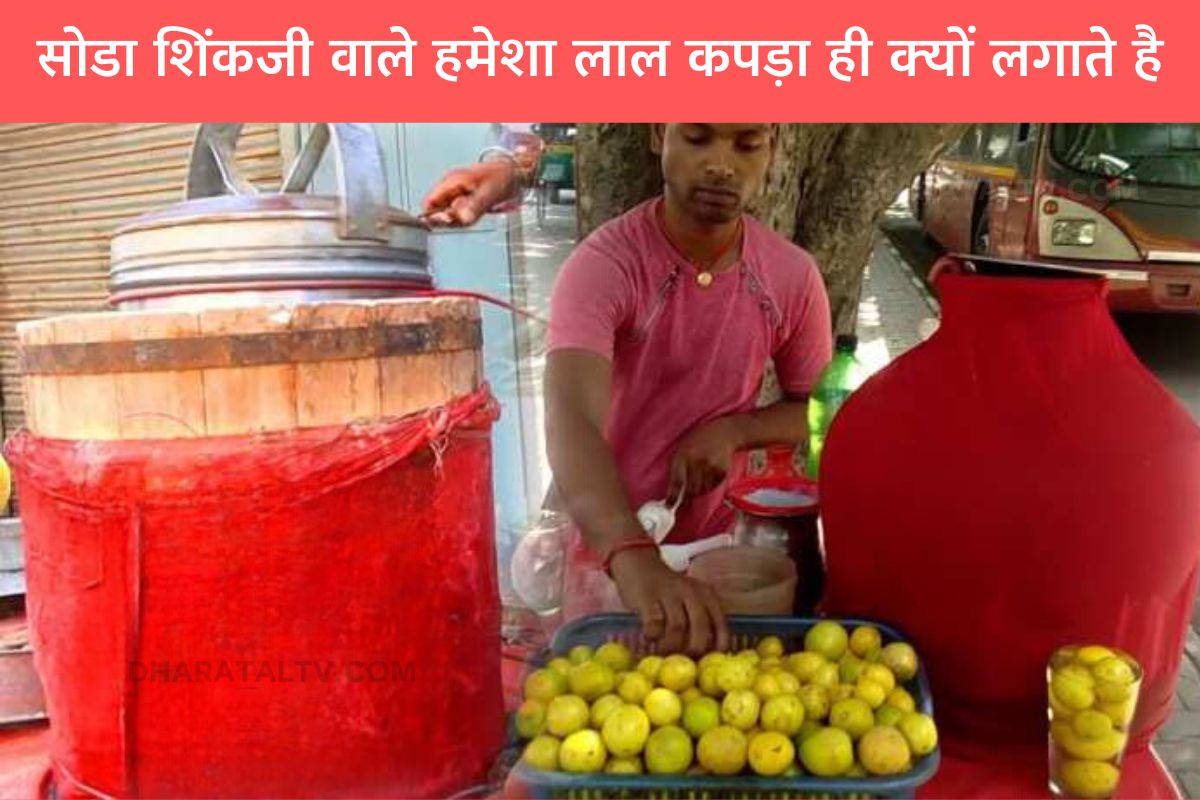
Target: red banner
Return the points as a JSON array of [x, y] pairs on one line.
[[779, 60]]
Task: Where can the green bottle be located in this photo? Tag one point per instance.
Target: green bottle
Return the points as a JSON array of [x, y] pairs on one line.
[[843, 375]]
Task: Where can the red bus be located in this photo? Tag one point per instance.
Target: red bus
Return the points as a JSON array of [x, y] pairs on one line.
[[1118, 200]]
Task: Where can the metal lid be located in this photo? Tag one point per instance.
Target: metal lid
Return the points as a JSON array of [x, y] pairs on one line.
[[226, 240]]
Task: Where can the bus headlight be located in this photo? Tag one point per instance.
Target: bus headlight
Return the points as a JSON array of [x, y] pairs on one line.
[[1073, 232]]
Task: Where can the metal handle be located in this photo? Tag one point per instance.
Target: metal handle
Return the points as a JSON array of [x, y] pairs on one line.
[[361, 184]]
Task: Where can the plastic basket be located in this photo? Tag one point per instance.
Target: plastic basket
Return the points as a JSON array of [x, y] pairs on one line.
[[746, 631]]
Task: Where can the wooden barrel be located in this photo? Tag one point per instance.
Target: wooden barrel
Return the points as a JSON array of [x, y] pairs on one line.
[[216, 372]]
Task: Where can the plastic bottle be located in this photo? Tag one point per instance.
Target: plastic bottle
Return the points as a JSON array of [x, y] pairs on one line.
[[843, 375]]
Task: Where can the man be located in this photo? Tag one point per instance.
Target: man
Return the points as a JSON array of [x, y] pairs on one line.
[[495, 183], [662, 324]]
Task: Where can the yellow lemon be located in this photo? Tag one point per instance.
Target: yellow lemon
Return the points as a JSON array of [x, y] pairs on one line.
[[827, 753], [1088, 779], [888, 716], [865, 640], [678, 673], [579, 654], [625, 731], [531, 719], [827, 638], [788, 682], [850, 668], [735, 674], [1091, 724], [722, 750], [701, 716], [649, 666], [783, 714], [826, 676], [634, 687], [884, 751], [901, 699], [920, 731], [591, 679], [1104, 748], [544, 685], [668, 751], [582, 752], [881, 675], [1114, 670], [542, 753], [1073, 687], [560, 665], [615, 656], [566, 714], [663, 707], [843, 691], [709, 681], [870, 693], [901, 659], [624, 766], [740, 709], [770, 753], [804, 665], [770, 647], [853, 716], [603, 707], [815, 701], [1092, 654], [767, 686]]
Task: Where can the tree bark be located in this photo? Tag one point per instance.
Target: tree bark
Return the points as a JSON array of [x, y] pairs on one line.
[[827, 188]]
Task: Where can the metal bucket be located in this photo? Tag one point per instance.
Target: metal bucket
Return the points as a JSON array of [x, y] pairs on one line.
[[227, 244]]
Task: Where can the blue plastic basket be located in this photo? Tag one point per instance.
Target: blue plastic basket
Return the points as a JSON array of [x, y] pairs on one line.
[[746, 632]]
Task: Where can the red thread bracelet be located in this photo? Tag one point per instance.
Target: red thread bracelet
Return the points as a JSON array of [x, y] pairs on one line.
[[627, 544]]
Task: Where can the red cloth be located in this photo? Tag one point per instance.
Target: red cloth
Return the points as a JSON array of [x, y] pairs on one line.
[[1018, 482], [302, 613]]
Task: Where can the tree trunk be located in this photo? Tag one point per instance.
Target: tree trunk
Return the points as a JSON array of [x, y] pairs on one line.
[[827, 188]]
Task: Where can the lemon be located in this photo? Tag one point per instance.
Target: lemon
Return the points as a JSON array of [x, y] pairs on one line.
[[815, 701], [544, 685], [735, 674], [827, 638], [826, 676], [884, 751], [1105, 748], [649, 666], [740, 709], [870, 693], [771, 663], [542, 753], [901, 659], [843, 691], [888, 716], [853, 716], [582, 752], [920, 732], [691, 694], [722, 750], [700, 716], [713, 659], [901, 699], [1120, 713], [767, 686], [625, 731], [1091, 724], [770, 647], [560, 665], [1114, 670], [865, 640], [881, 675], [566, 714], [634, 687], [1088, 779], [668, 751], [770, 753], [663, 707], [750, 656], [1073, 687], [850, 667], [579, 654], [709, 681], [603, 707], [531, 719], [615, 656], [591, 679], [804, 665], [1060, 710], [809, 727], [1112, 692], [624, 766], [788, 682], [1093, 654], [783, 714], [827, 753], [678, 673]]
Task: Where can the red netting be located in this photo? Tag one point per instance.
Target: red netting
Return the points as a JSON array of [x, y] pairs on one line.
[[303, 613]]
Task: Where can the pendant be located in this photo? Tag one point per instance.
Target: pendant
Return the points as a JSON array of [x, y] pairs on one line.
[[705, 279]]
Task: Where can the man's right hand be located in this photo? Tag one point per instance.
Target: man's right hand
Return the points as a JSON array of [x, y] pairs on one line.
[[677, 612]]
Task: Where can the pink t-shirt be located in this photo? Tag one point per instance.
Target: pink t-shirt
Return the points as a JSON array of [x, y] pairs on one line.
[[683, 354]]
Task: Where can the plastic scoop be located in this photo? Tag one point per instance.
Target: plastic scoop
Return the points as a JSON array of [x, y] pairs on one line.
[[658, 518], [679, 556]]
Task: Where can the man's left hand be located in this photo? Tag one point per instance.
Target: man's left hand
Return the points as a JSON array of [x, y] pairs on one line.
[[704, 457], [465, 194]]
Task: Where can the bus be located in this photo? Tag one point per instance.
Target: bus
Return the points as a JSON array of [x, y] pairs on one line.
[[1115, 200]]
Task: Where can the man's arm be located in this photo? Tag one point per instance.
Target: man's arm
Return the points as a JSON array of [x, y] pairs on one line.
[[675, 610], [703, 458]]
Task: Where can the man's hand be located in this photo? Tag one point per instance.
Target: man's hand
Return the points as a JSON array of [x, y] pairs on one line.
[[677, 612], [465, 194], [704, 457]]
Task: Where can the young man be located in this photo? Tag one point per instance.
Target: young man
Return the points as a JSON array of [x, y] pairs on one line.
[[662, 324]]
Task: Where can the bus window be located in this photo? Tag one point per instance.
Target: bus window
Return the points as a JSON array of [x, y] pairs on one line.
[[997, 146], [1152, 154], [967, 147]]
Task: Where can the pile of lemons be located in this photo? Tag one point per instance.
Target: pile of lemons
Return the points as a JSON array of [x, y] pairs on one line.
[[1093, 695], [837, 708]]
